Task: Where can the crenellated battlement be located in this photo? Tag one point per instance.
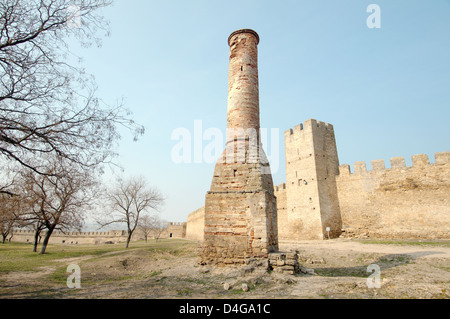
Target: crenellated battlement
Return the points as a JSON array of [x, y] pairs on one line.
[[418, 161], [78, 234], [308, 126], [177, 223]]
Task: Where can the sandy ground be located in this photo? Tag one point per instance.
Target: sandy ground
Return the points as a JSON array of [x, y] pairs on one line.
[[338, 269]]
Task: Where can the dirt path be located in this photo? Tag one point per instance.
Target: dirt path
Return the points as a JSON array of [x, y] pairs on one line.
[[346, 245], [405, 271]]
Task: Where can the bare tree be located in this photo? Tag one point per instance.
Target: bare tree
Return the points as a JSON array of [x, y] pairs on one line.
[[128, 199], [47, 105], [152, 226], [8, 206], [159, 226], [38, 227], [145, 226], [57, 199]]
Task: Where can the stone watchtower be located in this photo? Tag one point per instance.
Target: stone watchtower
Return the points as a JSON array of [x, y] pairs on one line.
[[240, 208], [312, 164]]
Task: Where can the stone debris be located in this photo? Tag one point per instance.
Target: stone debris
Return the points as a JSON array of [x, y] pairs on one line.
[[286, 263]]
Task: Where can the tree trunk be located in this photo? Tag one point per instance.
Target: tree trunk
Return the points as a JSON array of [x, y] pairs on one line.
[[4, 238], [128, 239], [46, 239], [36, 240]]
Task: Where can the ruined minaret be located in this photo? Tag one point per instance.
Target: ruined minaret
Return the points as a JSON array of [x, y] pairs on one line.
[[240, 208]]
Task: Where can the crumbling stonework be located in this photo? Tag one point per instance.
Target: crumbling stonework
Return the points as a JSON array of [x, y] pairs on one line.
[[240, 208], [286, 263]]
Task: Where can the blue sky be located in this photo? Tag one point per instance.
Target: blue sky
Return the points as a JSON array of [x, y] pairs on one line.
[[386, 90]]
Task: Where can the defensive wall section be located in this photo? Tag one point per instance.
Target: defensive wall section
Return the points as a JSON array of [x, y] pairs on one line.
[[72, 238], [400, 202], [173, 230], [396, 202], [322, 198], [195, 226]]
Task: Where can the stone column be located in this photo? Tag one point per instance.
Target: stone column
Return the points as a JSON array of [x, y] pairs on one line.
[[243, 84], [240, 208]]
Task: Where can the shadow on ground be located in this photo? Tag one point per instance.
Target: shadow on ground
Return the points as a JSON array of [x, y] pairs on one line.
[[384, 263]]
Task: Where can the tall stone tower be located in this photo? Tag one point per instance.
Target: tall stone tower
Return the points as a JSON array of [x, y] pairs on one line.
[[312, 164], [240, 208]]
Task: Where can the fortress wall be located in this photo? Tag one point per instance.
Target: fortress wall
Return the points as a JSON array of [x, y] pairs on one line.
[[178, 230], [397, 202], [400, 202], [196, 225], [81, 238], [283, 222]]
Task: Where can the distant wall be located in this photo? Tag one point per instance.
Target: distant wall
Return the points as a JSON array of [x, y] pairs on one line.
[[176, 230], [72, 238], [400, 202], [173, 230], [196, 225]]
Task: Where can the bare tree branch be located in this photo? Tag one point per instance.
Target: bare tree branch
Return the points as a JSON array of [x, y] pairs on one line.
[[47, 105]]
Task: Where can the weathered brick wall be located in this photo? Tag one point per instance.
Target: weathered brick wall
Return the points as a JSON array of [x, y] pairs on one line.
[[240, 214], [400, 202], [282, 222], [195, 226]]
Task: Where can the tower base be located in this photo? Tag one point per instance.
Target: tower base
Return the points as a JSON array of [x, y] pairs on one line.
[[240, 213]]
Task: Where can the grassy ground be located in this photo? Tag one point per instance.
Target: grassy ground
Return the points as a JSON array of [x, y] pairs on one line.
[[23, 271], [19, 257]]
